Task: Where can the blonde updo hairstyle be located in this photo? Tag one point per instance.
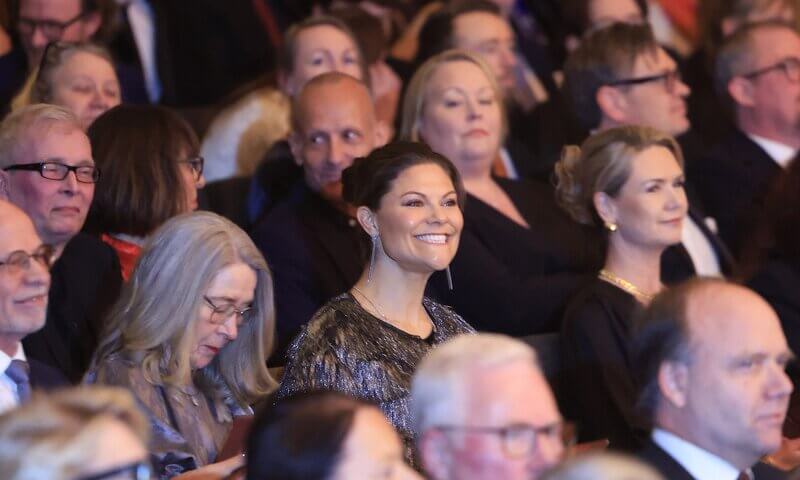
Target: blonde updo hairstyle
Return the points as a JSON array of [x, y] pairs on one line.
[[603, 164]]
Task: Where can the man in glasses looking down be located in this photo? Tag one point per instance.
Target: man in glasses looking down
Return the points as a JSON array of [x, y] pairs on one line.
[[482, 410], [758, 73], [47, 170]]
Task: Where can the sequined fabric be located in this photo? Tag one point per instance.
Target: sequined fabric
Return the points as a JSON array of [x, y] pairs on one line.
[[347, 349], [198, 435]]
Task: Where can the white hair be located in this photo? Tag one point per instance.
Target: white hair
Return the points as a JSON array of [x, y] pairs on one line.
[[437, 388], [21, 126], [603, 466]]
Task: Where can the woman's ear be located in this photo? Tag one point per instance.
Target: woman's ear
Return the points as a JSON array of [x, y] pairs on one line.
[[606, 208], [366, 218]]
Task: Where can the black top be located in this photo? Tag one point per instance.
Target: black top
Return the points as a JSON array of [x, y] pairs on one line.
[[85, 282], [315, 251], [516, 280], [598, 389]]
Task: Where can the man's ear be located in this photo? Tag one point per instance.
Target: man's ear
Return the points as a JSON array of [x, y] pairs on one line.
[[91, 24], [612, 103], [673, 381], [296, 146], [435, 454], [366, 218], [383, 133], [5, 186], [741, 91], [605, 207]]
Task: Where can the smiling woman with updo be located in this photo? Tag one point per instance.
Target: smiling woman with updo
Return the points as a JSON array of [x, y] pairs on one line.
[[367, 342]]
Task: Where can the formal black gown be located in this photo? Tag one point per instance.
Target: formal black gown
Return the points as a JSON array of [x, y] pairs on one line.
[[597, 385]]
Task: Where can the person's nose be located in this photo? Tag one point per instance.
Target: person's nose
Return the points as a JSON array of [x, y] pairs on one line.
[[230, 328], [201, 182], [99, 100], [682, 89], [37, 274], [337, 152], [549, 452], [38, 38], [69, 185], [780, 385]]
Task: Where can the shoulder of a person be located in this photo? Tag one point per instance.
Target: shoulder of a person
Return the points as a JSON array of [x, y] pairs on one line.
[[446, 316]]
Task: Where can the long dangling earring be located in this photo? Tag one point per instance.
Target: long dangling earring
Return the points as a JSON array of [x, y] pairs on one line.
[[449, 278], [372, 257]]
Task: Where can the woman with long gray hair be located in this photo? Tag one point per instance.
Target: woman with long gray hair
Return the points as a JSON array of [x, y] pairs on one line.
[[190, 336]]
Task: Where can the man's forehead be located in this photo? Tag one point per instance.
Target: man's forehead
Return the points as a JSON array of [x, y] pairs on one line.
[[49, 9], [653, 62], [472, 27], [16, 230], [335, 108]]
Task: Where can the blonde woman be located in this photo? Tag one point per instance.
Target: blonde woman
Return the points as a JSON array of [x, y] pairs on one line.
[[629, 182], [86, 432], [189, 337], [78, 76], [515, 267]]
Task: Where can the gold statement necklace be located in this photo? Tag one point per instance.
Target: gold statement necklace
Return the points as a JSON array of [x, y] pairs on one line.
[[625, 285]]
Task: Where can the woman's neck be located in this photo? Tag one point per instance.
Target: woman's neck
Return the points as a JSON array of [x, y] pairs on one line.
[[639, 266], [382, 295]]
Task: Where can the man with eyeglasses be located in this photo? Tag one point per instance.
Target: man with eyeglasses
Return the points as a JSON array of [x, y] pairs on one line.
[[482, 410], [47, 170], [758, 73], [710, 359], [621, 76], [24, 284]]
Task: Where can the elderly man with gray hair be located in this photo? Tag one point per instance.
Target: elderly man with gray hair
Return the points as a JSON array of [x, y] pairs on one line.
[[482, 409]]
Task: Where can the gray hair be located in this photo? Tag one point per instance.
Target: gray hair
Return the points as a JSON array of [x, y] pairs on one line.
[[153, 322], [17, 127], [603, 466], [438, 384]]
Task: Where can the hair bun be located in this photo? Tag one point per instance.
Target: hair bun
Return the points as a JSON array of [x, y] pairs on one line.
[[569, 191]]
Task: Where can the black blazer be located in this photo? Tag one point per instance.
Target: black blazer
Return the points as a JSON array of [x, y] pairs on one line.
[[85, 282], [669, 468], [315, 252], [732, 181], [514, 280], [45, 377], [677, 265]]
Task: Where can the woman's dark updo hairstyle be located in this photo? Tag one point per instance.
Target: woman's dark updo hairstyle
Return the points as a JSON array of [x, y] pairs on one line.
[[369, 178], [301, 437]]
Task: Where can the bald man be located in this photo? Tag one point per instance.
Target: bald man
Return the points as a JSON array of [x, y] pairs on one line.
[[311, 239], [24, 285], [710, 356]]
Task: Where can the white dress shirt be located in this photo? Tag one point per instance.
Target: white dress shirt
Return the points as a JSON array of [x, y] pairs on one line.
[[782, 154], [142, 23], [702, 253], [8, 388], [700, 463]]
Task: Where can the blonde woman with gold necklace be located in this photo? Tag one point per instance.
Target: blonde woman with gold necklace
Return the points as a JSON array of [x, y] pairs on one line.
[[629, 181]]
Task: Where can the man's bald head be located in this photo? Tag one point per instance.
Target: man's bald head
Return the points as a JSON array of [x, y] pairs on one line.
[[333, 122], [24, 281]]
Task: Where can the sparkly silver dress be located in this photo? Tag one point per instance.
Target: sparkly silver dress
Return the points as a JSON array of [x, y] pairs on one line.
[[347, 349]]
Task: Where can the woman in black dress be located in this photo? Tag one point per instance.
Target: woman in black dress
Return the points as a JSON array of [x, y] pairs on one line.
[[367, 342], [628, 180], [515, 267]]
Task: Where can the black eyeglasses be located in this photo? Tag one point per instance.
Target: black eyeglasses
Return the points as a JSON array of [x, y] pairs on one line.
[[59, 171], [20, 260], [521, 439], [790, 67], [197, 164], [133, 471], [670, 80], [224, 312], [51, 29]]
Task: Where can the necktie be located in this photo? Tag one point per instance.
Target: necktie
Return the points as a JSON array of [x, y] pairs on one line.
[[18, 373], [746, 475]]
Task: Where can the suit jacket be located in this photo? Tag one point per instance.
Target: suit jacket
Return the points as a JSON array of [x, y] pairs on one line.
[[669, 468], [516, 280], [315, 252], [45, 377], [733, 180], [677, 265], [86, 280]]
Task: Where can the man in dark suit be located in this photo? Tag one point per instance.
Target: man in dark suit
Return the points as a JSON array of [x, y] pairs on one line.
[[758, 70], [311, 240], [709, 357], [24, 282], [47, 170], [621, 76]]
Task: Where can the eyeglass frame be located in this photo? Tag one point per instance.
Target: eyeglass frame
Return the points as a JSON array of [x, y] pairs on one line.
[[192, 161], [43, 254], [670, 80], [216, 310], [140, 471], [781, 65], [40, 167], [42, 24], [504, 434]]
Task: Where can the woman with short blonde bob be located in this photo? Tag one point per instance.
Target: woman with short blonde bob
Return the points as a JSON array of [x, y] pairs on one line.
[[84, 432], [628, 181], [190, 336], [515, 267]]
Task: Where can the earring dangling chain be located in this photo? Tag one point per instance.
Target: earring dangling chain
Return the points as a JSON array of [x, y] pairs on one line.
[[449, 278], [372, 258]]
